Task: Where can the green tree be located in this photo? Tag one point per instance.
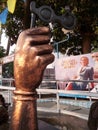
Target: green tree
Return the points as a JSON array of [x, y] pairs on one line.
[[85, 36], [7, 70], [2, 51]]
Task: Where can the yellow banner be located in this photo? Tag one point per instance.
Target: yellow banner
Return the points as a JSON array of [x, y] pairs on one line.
[[11, 5]]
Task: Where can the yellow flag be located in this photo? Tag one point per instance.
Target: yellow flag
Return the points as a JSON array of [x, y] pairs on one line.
[[11, 5]]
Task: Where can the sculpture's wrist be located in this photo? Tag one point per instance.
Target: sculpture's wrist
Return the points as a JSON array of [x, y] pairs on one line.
[[24, 95]]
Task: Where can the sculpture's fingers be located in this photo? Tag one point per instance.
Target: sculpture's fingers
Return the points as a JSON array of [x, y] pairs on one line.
[[33, 41], [46, 59], [33, 36], [38, 31], [41, 49]]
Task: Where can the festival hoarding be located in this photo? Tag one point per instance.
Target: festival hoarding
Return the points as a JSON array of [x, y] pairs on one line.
[[66, 68]]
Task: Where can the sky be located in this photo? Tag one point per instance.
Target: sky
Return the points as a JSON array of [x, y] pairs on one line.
[[4, 41]]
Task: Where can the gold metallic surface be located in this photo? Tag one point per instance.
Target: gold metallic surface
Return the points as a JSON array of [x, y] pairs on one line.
[[32, 55]]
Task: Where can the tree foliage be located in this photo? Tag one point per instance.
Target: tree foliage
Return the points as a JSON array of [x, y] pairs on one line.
[[7, 70], [85, 36], [2, 51]]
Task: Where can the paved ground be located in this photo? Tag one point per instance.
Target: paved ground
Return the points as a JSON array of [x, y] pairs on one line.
[[48, 105], [42, 125], [68, 116]]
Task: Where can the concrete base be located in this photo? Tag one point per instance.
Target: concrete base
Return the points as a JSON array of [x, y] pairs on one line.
[[63, 121], [45, 126]]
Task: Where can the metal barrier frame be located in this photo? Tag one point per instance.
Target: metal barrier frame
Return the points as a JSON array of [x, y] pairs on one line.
[[57, 92]]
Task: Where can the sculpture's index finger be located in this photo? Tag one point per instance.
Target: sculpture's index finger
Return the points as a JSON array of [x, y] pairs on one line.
[[38, 30]]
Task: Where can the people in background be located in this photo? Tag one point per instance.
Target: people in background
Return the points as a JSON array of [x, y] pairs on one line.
[[86, 73], [4, 117], [93, 116]]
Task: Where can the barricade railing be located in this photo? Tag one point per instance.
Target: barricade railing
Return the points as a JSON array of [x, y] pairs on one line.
[[6, 88], [7, 91], [61, 84], [70, 93]]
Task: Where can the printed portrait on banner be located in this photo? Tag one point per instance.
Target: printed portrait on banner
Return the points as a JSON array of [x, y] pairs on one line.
[[67, 68]]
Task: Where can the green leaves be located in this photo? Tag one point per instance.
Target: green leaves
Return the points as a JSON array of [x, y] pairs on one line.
[[84, 10], [2, 51]]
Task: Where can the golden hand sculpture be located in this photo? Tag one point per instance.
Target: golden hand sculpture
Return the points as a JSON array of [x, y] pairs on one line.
[[33, 53]]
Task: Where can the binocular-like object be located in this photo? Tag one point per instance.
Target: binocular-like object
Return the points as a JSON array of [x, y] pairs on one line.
[[47, 15]]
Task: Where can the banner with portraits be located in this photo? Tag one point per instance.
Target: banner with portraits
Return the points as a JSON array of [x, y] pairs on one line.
[[66, 68]]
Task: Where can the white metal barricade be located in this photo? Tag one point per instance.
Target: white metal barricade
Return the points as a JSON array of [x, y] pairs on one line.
[[7, 91]]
